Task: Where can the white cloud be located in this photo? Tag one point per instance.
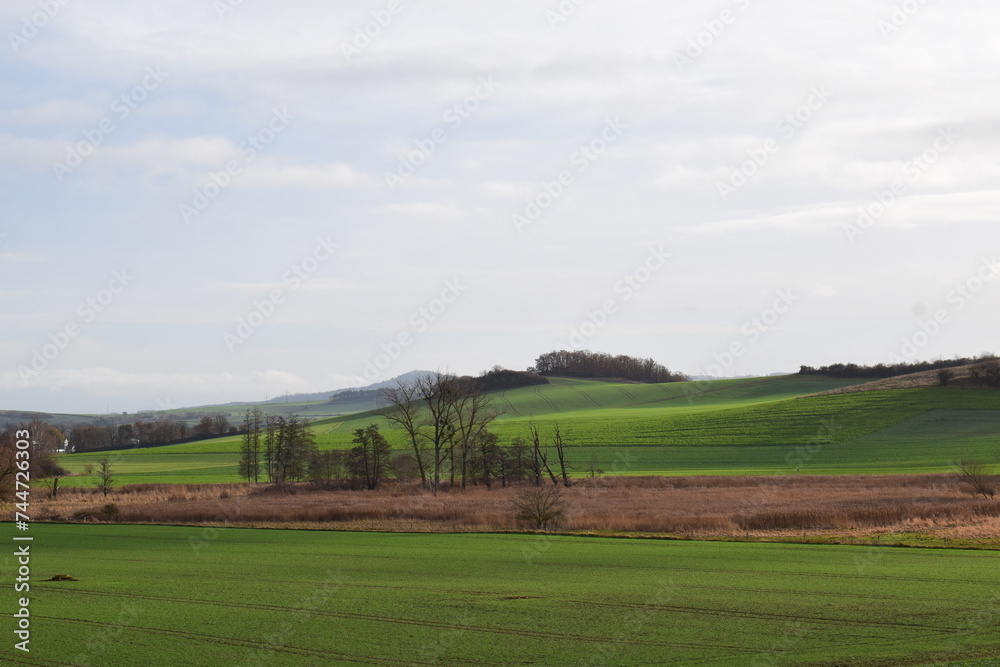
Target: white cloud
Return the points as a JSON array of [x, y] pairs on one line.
[[334, 175]]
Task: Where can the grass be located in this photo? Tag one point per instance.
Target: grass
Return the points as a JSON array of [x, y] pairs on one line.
[[159, 595], [755, 426]]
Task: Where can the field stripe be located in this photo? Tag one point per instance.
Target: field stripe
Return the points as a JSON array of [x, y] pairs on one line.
[[778, 617], [532, 634], [245, 643], [22, 659]]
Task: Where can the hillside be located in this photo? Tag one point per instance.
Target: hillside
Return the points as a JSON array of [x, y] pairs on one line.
[[972, 376], [772, 425]]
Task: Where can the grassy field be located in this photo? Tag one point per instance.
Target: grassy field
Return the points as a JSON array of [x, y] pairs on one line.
[[156, 595], [755, 426]]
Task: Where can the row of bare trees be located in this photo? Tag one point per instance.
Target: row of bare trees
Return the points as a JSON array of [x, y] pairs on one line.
[[445, 420], [277, 447]]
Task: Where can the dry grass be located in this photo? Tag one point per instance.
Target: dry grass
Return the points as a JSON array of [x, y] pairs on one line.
[[962, 376], [938, 505]]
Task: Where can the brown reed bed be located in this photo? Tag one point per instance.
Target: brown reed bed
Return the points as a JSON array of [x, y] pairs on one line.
[[703, 507]]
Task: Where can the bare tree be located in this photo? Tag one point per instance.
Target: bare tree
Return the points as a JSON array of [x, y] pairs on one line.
[[403, 467], [540, 457], [437, 392], [326, 468], [490, 459], [593, 469], [539, 507], [560, 443], [369, 461], [517, 461], [444, 418], [404, 412], [249, 465], [537, 455], [105, 480], [8, 463], [220, 424], [202, 429], [473, 413], [974, 473]]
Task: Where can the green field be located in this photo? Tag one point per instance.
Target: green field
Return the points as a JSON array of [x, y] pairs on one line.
[[755, 426], [156, 595]]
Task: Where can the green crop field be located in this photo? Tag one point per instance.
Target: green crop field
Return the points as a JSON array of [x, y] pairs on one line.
[[157, 595], [754, 426]]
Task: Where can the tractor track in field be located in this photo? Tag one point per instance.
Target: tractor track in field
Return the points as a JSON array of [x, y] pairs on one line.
[[587, 397], [546, 400], [528, 634], [267, 647], [627, 395], [777, 617], [39, 662], [510, 406]]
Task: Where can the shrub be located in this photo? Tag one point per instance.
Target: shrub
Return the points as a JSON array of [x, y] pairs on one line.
[[539, 507]]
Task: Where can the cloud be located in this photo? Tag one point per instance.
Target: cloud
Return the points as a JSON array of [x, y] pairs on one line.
[[333, 175]]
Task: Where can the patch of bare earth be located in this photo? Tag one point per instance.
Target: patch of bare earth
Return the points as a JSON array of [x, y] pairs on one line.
[[704, 507]]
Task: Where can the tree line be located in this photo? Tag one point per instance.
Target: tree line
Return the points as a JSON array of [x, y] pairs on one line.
[[879, 371], [584, 363], [44, 439], [118, 435], [444, 423]]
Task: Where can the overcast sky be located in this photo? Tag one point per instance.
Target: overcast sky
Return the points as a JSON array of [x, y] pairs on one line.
[[208, 201]]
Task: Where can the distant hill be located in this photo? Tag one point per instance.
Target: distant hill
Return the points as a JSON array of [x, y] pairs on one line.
[[326, 395], [983, 375]]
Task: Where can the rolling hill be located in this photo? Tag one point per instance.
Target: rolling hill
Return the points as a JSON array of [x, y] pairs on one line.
[[771, 425]]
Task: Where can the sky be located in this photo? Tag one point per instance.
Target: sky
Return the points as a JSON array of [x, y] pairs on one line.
[[218, 200]]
